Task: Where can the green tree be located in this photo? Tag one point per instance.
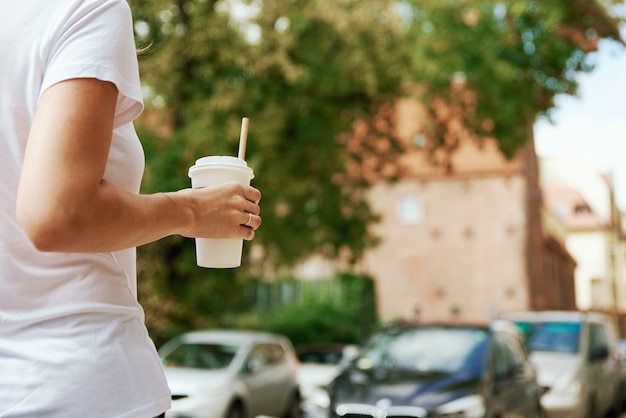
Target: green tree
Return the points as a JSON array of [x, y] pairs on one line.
[[347, 314], [502, 61], [317, 78], [315, 71]]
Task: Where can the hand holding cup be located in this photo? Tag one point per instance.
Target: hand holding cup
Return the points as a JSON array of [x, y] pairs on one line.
[[214, 171]]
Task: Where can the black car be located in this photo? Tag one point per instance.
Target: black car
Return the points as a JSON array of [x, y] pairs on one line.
[[439, 370]]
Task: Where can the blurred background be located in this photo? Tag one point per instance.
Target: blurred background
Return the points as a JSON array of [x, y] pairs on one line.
[[419, 160]]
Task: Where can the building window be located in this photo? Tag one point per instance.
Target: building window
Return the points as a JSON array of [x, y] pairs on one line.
[[410, 210], [582, 209], [561, 211]]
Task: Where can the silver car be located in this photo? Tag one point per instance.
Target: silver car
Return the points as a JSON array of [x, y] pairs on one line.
[[320, 363], [231, 374], [577, 360]]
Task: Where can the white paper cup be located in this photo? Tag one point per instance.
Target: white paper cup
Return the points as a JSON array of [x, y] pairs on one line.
[[210, 171]]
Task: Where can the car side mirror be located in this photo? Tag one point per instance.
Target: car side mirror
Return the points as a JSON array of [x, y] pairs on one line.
[[349, 353], [599, 353]]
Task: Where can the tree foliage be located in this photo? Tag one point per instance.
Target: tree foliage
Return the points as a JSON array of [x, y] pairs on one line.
[[318, 78], [503, 62], [349, 316]]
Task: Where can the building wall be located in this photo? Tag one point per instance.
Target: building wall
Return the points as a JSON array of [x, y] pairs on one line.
[[583, 200], [459, 251], [590, 249], [620, 269], [462, 232], [559, 265]]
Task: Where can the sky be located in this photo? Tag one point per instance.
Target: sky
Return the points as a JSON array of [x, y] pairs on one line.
[[591, 126]]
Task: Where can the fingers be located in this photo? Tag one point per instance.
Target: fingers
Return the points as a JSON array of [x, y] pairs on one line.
[[226, 210], [250, 207], [251, 224], [252, 221], [252, 194], [251, 217]]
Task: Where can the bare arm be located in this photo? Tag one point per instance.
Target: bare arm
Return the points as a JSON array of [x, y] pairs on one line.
[[64, 204]]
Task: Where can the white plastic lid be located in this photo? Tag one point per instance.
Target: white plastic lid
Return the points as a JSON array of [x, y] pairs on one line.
[[220, 161]]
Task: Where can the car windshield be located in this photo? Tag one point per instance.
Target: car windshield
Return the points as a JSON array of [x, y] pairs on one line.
[[426, 349], [560, 337], [200, 356]]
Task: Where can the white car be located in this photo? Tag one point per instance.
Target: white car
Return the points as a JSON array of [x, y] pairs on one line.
[[231, 374], [319, 364], [577, 360]]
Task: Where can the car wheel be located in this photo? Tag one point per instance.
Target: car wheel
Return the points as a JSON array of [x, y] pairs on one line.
[[293, 407], [235, 411]]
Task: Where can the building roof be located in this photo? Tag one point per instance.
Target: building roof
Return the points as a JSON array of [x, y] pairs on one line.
[[568, 204], [593, 188]]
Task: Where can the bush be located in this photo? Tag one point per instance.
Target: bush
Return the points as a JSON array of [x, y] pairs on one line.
[[346, 316]]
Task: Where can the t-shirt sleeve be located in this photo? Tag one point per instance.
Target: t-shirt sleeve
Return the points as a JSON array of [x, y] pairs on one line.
[[96, 41]]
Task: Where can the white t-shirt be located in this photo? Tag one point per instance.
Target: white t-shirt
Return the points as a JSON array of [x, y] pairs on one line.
[[72, 337]]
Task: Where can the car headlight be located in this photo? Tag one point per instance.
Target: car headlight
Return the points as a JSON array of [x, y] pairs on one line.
[[316, 396], [467, 407]]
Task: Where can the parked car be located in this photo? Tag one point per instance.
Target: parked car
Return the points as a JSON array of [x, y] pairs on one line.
[[231, 374], [319, 364], [577, 359], [439, 370]]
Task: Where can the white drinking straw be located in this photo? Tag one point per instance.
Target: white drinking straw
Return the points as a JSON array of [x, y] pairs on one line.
[[243, 138]]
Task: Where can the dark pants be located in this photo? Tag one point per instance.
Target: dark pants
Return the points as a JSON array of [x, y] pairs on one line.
[[161, 416]]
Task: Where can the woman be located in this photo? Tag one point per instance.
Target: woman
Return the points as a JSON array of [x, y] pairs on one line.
[[72, 337]]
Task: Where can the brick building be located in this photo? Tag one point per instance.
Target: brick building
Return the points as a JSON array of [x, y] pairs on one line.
[[467, 238]]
